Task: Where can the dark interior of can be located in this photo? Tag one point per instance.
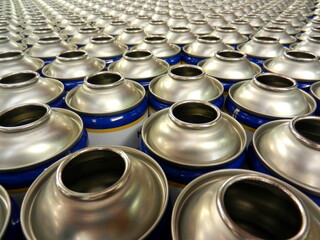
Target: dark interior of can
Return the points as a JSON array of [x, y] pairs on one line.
[[187, 71], [22, 115], [230, 54], [275, 81], [155, 38], [315, 38], [10, 54], [133, 29], [17, 78], [268, 39], [209, 38], [301, 55], [104, 78], [228, 28], [49, 39], [101, 38], [262, 210], [137, 54], [94, 171], [275, 28], [192, 112], [309, 128], [72, 54], [88, 29]]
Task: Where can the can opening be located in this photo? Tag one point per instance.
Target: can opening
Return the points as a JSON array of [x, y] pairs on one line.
[[133, 29], [18, 78], [262, 209], [186, 71], [309, 128], [138, 54], [209, 38], [72, 54], [104, 78], [88, 30], [274, 29], [315, 38], [230, 54], [180, 29], [93, 171], [155, 39], [193, 112], [301, 55], [275, 81], [12, 54], [266, 39], [22, 115], [102, 38]]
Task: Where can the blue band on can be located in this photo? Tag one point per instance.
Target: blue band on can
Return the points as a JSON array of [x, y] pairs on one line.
[[182, 175], [258, 61], [25, 178], [256, 164], [14, 230], [173, 60], [108, 61], [48, 60], [157, 105], [59, 102], [118, 120], [243, 117], [190, 59]]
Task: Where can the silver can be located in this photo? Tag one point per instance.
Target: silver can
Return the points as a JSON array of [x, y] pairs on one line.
[[32, 138], [91, 205], [180, 36], [113, 109], [140, 66], [28, 87], [241, 204], [7, 45], [279, 146], [192, 138], [311, 44]]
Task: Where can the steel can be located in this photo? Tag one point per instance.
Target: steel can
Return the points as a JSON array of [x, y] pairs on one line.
[[265, 98], [32, 137], [315, 93], [71, 67], [229, 67], [184, 82], [29, 87], [302, 66], [241, 204], [278, 147], [139, 65], [112, 108], [192, 138], [117, 193]]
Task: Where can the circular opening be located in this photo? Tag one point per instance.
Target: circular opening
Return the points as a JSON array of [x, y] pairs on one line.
[[88, 30], [311, 38], [93, 171], [275, 81], [240, 21], [117, 22], [194, 113], [186, 71], [198, 21], [158, 22], [180, 29], [12, 54], [300, 55], [309, 129], [262, 210], [137, 54], [209, 39], [155, 39], [4, 39], [49, 39], [104, 78], [72, 54], [230, 54], [133, 29], [265, 39], [4, 30], [17, 78], [102, 38], [42, 30], [225, 28], [23, 115]]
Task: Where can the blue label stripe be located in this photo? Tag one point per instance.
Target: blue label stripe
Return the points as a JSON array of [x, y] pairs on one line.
[[184, 175], [244, 117], [173, 60], [114, 121], [26, 177], [190, 59]]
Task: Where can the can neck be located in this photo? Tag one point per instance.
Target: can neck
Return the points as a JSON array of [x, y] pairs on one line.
[[100, 173]]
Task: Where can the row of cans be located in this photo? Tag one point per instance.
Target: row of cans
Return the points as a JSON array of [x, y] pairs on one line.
[[108, 75]]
